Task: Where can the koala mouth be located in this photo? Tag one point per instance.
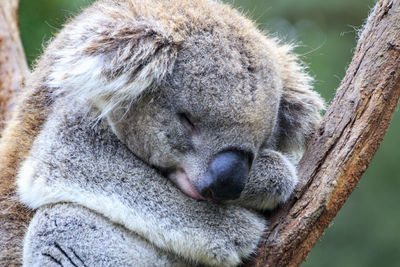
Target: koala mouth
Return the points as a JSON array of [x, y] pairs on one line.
[[182, 181]]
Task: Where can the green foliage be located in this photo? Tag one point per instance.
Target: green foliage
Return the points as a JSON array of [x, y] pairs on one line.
[[40, 19], [366, 231]]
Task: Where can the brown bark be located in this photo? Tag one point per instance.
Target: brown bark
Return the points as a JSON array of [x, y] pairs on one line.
[[13, 71], [13, 67], [342, 148]]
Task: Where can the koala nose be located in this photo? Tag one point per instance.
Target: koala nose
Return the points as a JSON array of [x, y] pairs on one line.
[[226, 177]]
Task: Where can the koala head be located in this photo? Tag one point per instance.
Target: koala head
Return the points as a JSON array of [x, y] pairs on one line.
[[206, 121], [195, 90]]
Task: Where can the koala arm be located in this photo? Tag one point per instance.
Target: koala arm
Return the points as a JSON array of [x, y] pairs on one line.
[[74, 161], [271, 181], [71, 235]]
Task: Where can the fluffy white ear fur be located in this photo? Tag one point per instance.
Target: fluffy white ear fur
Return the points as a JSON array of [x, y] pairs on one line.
[[111, 69]]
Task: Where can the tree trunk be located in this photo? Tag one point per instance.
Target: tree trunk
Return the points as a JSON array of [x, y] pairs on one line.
[[13, 67], [344, 144], [13, 71]]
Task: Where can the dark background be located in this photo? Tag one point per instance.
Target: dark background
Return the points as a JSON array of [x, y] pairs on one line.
[[366, 231]]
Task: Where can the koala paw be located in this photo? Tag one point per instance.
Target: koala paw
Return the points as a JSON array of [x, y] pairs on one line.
[[231, 238], [272, 180]]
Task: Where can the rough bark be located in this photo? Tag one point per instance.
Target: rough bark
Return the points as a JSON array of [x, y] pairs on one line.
[[13, 71], [13, 67], [343, 146]]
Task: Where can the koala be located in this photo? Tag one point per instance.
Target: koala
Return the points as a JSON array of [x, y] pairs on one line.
[[153, 132]]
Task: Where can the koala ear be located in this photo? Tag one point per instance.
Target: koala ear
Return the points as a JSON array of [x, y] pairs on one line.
[[300, 106], [110, 66]]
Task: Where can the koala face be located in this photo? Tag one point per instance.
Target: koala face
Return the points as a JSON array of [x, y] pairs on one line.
[[204, 125]]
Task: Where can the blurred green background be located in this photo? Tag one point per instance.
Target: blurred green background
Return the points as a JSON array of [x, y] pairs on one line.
[[366, 232]]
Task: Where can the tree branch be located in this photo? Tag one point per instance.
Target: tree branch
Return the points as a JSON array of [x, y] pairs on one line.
[[13, 67], [341, 150]]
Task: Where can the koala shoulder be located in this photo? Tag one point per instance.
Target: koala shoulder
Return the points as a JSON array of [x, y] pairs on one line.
[[15, 143]]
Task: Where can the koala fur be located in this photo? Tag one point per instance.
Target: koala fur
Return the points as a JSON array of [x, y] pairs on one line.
[[134, 96]]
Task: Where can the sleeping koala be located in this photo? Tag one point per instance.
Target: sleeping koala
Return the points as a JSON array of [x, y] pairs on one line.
[[165, 126]]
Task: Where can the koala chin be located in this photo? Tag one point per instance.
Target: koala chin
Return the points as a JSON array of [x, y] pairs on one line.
[[163, 128]]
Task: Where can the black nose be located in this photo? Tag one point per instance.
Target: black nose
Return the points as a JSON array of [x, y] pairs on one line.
[[226, 176]]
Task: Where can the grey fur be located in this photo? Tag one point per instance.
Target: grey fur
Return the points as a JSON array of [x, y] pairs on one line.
[[135, 66], [66, 155], [71, 235]]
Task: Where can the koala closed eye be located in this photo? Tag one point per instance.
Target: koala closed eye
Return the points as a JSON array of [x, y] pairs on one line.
[[184, 118]]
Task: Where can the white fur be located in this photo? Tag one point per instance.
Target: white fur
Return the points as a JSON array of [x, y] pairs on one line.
[[85, 81]]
